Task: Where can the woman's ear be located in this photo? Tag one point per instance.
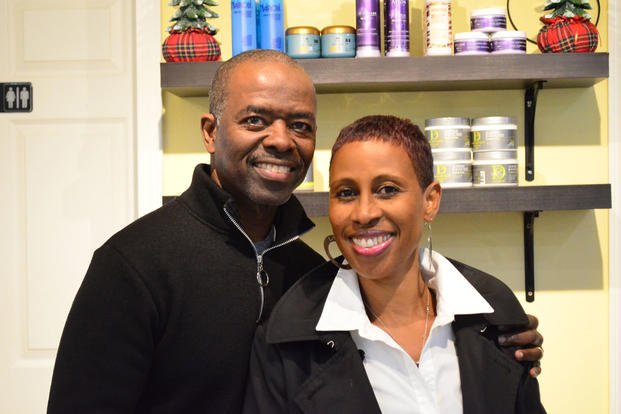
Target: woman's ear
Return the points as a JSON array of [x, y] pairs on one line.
[[209, 125], [431, 199]]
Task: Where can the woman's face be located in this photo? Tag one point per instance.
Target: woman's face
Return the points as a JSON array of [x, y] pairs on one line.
[[377, 208]]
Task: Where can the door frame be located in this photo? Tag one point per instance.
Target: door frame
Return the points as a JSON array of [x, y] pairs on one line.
[[148, 101], [614, 228]]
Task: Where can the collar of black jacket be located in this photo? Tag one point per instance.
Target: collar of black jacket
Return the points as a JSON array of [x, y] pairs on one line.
[[207, 200], [296, 315]]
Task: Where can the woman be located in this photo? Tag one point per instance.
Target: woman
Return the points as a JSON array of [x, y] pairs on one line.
[[393, 328]]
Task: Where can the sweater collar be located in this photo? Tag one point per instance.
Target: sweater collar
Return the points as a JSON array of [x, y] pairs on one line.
[[207, 201]]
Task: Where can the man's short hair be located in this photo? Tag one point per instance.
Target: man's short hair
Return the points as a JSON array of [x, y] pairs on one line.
[[219, 84]]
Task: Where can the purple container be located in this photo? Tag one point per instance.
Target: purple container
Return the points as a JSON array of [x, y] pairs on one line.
[[488, 20], [397, 27], [367, 28], [510, 41]]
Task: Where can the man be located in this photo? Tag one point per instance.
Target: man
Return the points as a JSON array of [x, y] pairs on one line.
[[164, 320]]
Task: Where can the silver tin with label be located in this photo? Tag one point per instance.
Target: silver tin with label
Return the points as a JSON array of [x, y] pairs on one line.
[[448, 132], [493, 132], [453, 174], [495, 173]]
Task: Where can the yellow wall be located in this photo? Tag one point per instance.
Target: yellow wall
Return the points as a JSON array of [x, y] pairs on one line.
[[571, 247]]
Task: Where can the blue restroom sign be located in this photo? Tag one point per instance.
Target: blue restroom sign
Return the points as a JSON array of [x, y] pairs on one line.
[[16, 97]]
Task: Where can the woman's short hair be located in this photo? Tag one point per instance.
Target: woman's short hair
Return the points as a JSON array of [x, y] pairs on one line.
[[394, 130]]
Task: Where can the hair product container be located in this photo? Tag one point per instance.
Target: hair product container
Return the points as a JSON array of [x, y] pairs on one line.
[[488, 20], [493, 133], [438, 28], [338, 42], [271, 25], [448, 132], [452, 168], [303, 42], [367, 28], [243, 25], [397, 28], [495, 168], [471, 43], [508, 41]]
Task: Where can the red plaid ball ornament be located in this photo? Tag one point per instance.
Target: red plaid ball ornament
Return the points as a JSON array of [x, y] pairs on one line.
[[192, 45], [567, 34]]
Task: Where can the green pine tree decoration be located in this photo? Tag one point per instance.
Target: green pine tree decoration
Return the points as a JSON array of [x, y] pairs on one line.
[[192, 15], [567, 8]]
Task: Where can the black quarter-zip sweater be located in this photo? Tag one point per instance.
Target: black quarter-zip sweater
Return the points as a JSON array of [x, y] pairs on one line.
[[164, 319]]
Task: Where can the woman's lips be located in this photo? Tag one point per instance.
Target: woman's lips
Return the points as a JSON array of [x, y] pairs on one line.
[[371, 245]]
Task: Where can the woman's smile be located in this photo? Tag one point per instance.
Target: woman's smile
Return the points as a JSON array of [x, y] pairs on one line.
[[371, 244]]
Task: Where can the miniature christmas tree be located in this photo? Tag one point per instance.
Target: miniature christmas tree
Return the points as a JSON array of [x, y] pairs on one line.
[[567, 28], [567, 8], [191, 37], [192, 14]]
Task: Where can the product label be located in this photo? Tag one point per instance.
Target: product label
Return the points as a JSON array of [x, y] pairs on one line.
[[453, 173], [493, 139], [495, 174], [488, 22], [448, 138], [338, 43], [509, 44], [468, 46]]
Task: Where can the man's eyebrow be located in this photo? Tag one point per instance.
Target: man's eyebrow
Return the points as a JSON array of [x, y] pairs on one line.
[[272, 113]]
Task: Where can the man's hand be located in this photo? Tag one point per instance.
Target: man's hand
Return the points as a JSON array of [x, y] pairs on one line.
[[529, 341]]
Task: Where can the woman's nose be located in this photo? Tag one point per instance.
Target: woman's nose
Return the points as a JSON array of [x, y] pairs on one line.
[[366, 211]]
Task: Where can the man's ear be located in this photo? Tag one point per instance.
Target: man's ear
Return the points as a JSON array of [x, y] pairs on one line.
[[431, 200], [209, 125]]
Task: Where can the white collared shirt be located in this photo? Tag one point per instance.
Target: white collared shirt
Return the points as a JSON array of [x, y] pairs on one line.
[[400, 386]]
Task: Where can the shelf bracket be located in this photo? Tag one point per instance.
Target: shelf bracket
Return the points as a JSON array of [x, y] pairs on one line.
[[530, 105], [529, 256]]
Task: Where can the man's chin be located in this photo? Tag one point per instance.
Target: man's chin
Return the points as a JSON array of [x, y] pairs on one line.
[[272, 199]]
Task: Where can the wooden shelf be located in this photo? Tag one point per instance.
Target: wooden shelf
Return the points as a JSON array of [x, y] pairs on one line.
[[494, 199], [428, 73]]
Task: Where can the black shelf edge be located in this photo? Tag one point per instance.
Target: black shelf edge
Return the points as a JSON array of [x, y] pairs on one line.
[[427, 73], [494, 199]]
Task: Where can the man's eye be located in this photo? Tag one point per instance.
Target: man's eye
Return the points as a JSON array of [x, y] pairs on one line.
[[387, 191], [301, 127], [254, 121]]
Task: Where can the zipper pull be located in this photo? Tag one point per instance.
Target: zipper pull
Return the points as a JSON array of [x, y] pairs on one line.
[[263, 279]]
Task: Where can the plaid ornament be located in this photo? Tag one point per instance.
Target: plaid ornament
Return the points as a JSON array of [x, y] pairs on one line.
[[192, 45], [567, 34]]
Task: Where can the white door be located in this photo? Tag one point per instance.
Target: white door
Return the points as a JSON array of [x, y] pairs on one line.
[[68, 171]]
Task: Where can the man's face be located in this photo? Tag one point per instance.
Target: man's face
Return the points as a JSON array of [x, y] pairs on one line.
[[264, 142]]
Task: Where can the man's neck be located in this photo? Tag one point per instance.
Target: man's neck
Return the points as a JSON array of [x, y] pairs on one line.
[[257, 221]]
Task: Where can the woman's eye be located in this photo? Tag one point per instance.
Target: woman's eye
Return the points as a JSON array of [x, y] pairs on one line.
[[345, 194]]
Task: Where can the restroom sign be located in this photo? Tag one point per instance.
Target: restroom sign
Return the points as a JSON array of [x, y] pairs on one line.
[[16, 97]]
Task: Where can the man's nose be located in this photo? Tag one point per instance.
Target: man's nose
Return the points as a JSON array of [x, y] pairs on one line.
[[279, 137]]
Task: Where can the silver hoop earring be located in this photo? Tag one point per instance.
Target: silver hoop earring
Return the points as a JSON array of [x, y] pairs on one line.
[[429, 245], [326, 246]]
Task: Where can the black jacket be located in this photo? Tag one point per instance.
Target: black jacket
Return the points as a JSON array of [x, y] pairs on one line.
[[165, 316], [295, 369]]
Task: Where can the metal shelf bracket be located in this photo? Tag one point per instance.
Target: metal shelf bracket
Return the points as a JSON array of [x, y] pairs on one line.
[[530, 105], [529, 256]]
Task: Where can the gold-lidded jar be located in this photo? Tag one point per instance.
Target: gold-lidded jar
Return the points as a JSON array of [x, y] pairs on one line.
[[303, 42], [338, 41]]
